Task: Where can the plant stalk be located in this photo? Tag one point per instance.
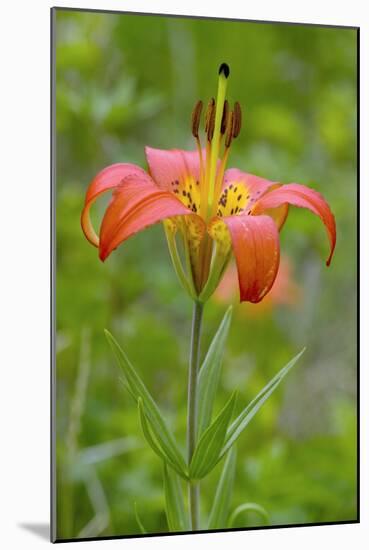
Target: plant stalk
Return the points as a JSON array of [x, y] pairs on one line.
[[193, 487]]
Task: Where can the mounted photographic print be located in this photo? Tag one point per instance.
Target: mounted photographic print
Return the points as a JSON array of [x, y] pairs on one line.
[[204, 372]]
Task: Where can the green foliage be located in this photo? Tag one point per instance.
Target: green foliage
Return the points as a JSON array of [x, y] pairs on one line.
[[249, 507], [139, 522], [124, 81], [210, 373], [207, 451], [238, 426], [174, 503], [148, 409], [220, 509]]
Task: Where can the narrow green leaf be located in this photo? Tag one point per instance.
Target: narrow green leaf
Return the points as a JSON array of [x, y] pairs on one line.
[[152, 412], [220, 509], [237, 427], [210, 373], [147, 433], [174, 504], [139, 523], [207, 451], [249, 507]]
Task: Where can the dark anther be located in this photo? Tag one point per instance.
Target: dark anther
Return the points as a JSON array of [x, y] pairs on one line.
[[224, 69], [237, 119], [210, 119], [196, 117], [209, 109], [223, 125], [229, 133]]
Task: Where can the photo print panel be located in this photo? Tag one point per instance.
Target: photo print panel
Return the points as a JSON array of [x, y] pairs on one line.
[[204, 205]]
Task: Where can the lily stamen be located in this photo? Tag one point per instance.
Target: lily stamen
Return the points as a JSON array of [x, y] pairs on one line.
[[224, 123], [209, 114], [223, 163], [237, 119], [209, 130], [196, 118], [229, 132]]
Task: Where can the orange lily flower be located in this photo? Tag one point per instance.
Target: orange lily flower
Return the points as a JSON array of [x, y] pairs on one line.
[[216, 211]]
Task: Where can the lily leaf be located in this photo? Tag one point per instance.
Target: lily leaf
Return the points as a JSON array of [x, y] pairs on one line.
[[139, 522], [152, 412], [207, 451], [174, 504], [237, 427], [210, 373], [147, 431], [220, 509], [249, 507]]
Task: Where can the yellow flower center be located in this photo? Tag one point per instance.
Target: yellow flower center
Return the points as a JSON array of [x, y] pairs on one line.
[[233, 199], [188, 191]]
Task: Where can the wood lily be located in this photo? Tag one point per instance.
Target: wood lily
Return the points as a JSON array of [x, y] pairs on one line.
[[216, 211]]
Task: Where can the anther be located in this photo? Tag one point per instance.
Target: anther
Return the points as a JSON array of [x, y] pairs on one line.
[[237, 119], [196, 117], [223, 125], [229, 134], [210, 120], [210, 113]]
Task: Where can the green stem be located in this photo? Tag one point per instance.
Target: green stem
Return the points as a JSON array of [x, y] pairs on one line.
[[193, 487]]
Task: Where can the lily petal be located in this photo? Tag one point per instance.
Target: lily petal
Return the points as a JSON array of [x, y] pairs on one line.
[[241, 191], [168, 166], [255, 185], [304, 197], [255, 242], [107, 179], [135, 205]]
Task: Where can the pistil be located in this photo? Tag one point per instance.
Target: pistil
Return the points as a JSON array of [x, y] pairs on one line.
[[215, 144], [232, 130]]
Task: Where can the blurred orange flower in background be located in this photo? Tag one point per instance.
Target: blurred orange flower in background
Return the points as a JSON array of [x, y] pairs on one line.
[[285, 291]]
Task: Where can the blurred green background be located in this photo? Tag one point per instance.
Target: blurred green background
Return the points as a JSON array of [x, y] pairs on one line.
[[123, 81]]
